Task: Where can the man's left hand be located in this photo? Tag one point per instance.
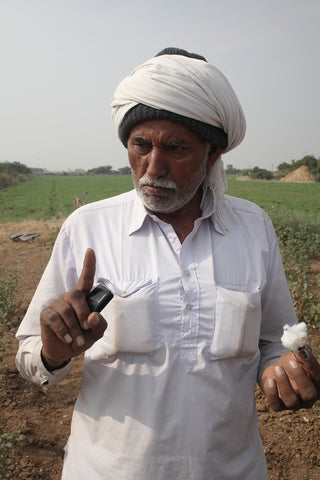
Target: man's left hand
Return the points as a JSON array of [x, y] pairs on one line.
[[293, 382]]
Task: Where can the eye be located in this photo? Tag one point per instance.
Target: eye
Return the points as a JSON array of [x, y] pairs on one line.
[[141, 145], [173, 147]]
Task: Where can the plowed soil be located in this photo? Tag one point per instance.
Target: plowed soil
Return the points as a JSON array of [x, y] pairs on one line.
[[291, 439]]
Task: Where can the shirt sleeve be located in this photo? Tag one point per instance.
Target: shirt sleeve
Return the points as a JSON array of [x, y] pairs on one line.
[[59, 276], [31, 367], [277, 306]]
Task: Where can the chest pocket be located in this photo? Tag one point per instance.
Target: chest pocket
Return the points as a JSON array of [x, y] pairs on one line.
[[132, 318], [237, 324]]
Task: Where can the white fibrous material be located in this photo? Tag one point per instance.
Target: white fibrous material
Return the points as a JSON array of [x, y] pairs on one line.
[[295, 337]]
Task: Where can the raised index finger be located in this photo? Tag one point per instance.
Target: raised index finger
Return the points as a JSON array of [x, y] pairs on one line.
[[88, 270]]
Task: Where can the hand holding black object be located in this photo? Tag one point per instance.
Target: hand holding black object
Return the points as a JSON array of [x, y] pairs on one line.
[[67, 326]]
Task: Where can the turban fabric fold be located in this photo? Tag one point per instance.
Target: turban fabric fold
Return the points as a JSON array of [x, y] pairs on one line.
[[186, 86]]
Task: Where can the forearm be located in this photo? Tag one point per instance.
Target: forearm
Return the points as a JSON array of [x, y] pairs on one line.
[[30, 363]]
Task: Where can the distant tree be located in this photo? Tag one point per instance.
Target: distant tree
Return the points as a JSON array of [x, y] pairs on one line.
[[261, 174], [284, 167], [104, 170], [124, 171], [311, 162], [232, 171], [14, 167]]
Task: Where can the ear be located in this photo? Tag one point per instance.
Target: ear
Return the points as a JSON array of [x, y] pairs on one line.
[[214, 153]]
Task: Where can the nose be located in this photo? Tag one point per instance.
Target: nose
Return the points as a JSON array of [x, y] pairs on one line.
[[157, 164]]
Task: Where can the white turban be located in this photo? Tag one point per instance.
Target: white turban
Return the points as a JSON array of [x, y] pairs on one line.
[[189, 87], [186, 86]]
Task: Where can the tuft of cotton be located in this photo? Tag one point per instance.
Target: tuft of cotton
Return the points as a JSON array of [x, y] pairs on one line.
[[295, 336]]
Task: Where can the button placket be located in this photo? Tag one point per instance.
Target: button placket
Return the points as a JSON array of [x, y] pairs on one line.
[[190, 304]]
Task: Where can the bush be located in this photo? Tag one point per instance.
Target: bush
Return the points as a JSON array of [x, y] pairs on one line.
[[12, 173], [260, 174], [299, 242]]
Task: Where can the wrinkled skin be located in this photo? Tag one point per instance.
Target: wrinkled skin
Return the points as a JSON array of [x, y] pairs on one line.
[[67, 327], [293, 382]]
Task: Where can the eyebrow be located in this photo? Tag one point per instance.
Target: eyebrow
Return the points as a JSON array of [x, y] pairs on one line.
[[139, 138], [176, 141]]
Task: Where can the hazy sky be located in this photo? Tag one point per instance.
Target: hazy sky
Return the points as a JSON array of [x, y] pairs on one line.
[[61, 61]]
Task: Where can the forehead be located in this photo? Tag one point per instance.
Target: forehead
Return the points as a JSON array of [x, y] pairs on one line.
[[164, 130]]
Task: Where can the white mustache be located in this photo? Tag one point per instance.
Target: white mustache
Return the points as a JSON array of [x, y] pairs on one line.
[[146, 181]]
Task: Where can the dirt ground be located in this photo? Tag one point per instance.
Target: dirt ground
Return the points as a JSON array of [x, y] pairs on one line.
[[291, 439]]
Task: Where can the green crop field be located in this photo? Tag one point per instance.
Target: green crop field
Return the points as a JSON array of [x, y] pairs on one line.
[[48, 197], [300, 200], [294, 209]]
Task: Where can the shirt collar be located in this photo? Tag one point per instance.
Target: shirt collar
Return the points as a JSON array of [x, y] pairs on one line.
[[140, 213], [208, 209]]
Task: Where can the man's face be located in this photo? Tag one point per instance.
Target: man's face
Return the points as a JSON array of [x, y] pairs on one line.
[[169, 163]]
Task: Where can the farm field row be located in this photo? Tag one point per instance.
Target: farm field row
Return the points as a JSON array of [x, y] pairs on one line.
[[51, 197]]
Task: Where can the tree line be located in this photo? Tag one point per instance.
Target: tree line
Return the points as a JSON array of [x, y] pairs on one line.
[[16, 172]]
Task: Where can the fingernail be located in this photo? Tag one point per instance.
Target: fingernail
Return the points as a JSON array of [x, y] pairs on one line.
[[86, 325], [279, 370], [68, 338], [271, 383], [95, 320], [293, 364], [80, 341], [304, 353]]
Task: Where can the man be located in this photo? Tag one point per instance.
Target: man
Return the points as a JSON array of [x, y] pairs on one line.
[[200, 297]]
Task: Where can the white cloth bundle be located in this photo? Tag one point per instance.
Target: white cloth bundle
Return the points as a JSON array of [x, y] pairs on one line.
[[188, 87]]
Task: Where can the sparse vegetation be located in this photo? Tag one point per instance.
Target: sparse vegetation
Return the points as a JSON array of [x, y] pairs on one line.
[[8, 296], [299, 242], [8, 306]]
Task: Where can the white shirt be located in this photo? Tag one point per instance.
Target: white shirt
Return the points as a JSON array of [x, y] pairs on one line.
[[168, 392]]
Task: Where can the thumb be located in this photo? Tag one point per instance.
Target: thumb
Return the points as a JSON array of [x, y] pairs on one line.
[[86, 278]]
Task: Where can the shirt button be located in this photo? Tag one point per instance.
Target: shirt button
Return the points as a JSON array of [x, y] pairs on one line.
[[187, 273], [188, 306]]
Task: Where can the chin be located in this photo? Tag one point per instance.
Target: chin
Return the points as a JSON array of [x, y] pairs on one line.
[[164, 206]]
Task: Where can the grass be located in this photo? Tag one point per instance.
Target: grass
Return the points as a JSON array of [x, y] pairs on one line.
[[48, 197], [298, 200]]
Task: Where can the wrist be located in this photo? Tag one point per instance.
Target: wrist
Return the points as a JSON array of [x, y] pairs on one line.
[[52, 365]]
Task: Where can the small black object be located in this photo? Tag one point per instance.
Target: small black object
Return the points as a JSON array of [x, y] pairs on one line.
[[98, 298], [24, 237]]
